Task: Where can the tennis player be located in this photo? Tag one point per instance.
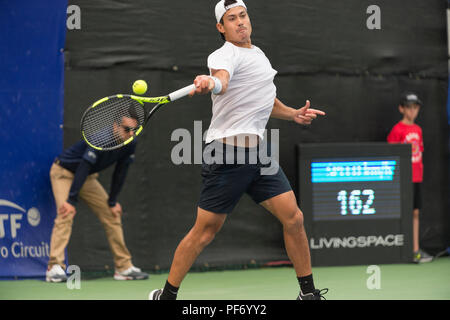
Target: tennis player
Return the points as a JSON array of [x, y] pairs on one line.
[[74, 175], [244, 97]]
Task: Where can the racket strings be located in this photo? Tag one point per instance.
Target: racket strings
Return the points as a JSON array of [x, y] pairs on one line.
[[104, 126]]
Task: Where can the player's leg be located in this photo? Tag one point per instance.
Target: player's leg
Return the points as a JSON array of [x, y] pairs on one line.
[[272, 190], [223, 185], [202, 233], [284, 207]]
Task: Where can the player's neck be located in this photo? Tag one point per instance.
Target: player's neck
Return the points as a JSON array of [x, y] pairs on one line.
[[247, 44]]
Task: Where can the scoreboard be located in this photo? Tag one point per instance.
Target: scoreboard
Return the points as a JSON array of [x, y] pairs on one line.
[[356, 188], [357, 202]]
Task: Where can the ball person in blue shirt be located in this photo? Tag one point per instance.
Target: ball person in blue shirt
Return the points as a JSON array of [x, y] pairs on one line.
[[74, 175]]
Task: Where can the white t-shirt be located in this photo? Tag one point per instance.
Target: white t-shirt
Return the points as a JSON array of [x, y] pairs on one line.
[[247, 104]]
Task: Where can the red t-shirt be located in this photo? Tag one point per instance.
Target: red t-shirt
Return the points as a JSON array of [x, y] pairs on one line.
[[405, 133]]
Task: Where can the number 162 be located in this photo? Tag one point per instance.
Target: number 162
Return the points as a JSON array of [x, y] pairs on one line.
[[354, 203]]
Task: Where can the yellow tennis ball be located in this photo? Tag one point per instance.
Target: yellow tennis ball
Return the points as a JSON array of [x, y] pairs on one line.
[[140, 87]]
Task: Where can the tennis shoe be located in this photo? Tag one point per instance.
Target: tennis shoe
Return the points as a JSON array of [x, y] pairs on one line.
[[132, 273], [155, 294], [55, 273], [316, 295]]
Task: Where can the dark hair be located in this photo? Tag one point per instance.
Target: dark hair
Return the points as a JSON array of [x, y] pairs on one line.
[[225, 4], [133, 113]]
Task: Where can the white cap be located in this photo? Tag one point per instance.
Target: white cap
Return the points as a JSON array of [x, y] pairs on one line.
[[221, 9]]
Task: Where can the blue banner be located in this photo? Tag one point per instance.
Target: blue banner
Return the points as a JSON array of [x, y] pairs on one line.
[[32, 38]]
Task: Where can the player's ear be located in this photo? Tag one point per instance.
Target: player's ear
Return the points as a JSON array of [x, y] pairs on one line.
[[220, 27]]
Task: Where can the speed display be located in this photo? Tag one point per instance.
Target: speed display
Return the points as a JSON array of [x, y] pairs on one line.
[[356, 199], [355, 188]]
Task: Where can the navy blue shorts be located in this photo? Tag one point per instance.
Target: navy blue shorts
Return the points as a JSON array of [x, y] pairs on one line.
[[228, 174]]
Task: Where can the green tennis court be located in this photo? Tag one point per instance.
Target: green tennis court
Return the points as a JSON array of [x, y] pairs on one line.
[[397, 282]]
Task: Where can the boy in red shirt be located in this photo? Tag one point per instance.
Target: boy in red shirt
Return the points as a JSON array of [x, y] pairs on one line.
[[406, 131]]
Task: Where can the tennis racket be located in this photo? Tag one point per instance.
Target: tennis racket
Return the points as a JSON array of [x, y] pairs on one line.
[[113, 122]]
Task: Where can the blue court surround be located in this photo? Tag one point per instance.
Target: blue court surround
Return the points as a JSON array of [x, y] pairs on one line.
[[32, 38]]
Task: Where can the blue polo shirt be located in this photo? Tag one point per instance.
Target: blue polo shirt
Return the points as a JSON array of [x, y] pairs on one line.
[[82, 160]]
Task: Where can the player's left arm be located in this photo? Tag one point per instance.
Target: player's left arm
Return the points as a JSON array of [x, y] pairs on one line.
[[304, 115]]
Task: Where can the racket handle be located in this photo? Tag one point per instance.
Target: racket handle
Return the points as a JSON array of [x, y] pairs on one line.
[[181, 93]]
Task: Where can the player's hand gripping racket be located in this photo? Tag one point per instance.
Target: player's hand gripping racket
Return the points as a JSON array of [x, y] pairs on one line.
[[113, 122]]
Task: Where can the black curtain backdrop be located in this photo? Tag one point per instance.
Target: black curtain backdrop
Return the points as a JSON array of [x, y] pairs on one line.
[[323, 52]]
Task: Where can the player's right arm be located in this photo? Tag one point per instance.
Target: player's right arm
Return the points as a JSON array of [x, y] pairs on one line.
[[205, 84]]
